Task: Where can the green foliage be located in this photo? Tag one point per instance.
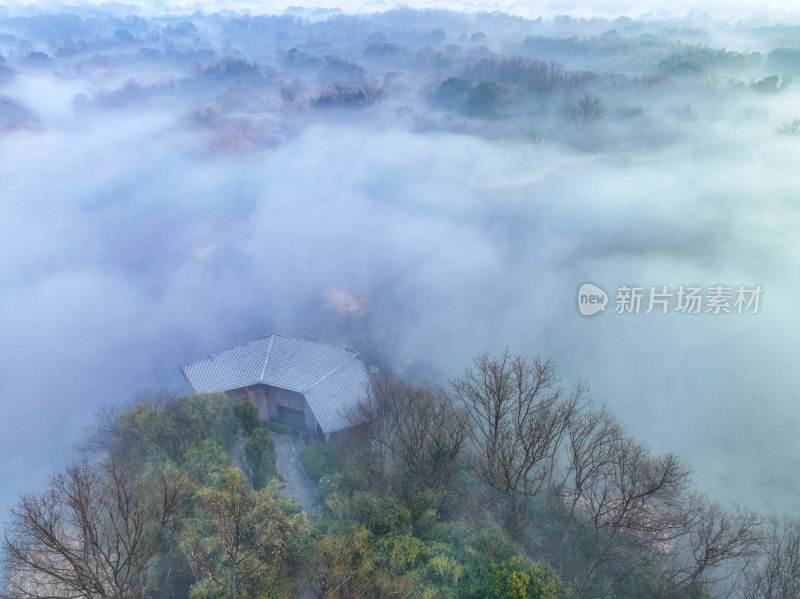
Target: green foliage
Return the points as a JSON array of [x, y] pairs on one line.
[[596, 46], [353, 564], [242, 543], [317, 460], [491, 543], [444, 570], [204, 459], [403, 551], [248, 416], [204, 416], [408, 543], [261, 458], [366, 508], [696, 59], [363, 471], [338, 69], [444, 574], [452, 92], [680, 64], [485, 97], [489, 97], [516, 579], [381, 532], [148, 434], [533, 76]]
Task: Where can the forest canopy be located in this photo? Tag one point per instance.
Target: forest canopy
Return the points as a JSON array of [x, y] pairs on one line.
[[502, 484]]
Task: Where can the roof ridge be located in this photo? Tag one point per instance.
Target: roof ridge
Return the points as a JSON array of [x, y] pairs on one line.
[[313, 342], [224, 351], [322, 378], [266, 358]]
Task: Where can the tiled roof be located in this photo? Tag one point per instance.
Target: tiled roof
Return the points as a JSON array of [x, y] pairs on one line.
[[334, 398], [333, 379]]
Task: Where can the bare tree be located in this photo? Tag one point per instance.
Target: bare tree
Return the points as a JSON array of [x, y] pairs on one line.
[[776, 575], [713, 542], [535, 76], [585, 110], [431, 433], [373, 94], [339, 93], [519, 416], [589, 453], [94, 533], [417, 429], [379, 411], [624, 509], [619, 505]]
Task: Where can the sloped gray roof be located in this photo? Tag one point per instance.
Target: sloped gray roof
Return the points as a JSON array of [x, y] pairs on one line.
[[334, 398], [332, 379]]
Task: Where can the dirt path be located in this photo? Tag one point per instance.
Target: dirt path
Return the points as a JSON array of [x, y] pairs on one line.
[[298, 485]]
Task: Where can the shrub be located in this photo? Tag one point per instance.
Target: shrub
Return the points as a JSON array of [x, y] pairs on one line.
[[260, 456], [248, 416], [452, 92], [488, 97], [317, 460], [164, 429], [203, 416], [341, 70], [515, 579]]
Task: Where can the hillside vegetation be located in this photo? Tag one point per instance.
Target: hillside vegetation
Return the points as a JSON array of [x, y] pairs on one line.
[[504, 484]]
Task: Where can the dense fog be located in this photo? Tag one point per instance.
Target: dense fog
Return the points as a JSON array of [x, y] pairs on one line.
[[175, 185]]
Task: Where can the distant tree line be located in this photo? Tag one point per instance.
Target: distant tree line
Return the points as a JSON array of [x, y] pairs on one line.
[[534, 76], [517, 81]]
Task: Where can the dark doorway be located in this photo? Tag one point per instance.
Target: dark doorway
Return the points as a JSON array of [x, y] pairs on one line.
[[292, 417]]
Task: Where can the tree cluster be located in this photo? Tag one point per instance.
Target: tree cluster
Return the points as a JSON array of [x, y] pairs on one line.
[[503, 484]]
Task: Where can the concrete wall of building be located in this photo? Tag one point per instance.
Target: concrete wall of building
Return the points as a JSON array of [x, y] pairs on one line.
[[266, 400], [292, 400], [237, 394]]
